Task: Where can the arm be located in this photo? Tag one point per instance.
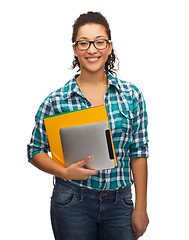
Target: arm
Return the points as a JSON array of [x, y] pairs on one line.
[[140, 219], [138, 155], [39, 146], [75, 172]]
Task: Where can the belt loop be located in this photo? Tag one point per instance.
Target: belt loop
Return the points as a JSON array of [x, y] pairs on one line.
[[54, 180], [82, 194], [116, 197]]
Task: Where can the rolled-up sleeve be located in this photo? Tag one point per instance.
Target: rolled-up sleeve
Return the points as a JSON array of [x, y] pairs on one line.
[[139, 143], [39, 141]]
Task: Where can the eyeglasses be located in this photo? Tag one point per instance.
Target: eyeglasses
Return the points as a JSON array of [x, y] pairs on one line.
[[85, 45]]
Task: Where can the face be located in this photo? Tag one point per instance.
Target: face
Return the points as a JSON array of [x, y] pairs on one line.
[[92, 59]]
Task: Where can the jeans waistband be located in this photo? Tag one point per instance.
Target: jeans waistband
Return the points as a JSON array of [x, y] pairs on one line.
[[94, 194]]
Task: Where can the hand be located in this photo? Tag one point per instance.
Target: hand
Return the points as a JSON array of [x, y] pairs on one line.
[[139, 222], [77, 171]]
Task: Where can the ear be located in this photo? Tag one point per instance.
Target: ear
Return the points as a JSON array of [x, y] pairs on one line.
[[75, 50], [110, 48]]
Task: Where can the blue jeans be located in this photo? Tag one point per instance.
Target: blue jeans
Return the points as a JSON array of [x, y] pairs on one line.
[[79, 213]]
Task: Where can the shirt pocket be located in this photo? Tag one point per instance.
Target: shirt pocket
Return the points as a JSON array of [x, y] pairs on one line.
[[126, 119], [121, 123]]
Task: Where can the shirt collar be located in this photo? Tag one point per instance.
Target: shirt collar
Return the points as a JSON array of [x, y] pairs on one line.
[[72, 86], [113, 81], [117, 83]]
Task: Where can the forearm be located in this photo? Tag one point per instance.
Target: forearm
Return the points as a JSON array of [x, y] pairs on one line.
[[76, 171], [140, 172], [43, 162]]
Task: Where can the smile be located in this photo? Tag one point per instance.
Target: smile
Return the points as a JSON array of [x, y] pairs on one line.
[[92, 59]]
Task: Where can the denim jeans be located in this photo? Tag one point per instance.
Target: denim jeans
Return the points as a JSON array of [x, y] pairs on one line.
[[79, 213]]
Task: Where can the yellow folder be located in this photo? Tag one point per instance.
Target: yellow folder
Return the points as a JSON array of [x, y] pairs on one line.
[[54, 123]]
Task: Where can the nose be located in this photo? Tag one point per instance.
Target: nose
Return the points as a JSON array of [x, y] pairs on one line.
[[92, 49]]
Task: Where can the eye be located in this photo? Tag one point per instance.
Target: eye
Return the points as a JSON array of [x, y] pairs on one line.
[[83, 43], [100, 42]]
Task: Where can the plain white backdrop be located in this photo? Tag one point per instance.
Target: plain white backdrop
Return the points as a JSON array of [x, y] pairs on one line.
[[151, 40]]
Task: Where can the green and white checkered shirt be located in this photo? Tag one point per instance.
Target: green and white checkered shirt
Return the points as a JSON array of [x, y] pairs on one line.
[[128, 122]]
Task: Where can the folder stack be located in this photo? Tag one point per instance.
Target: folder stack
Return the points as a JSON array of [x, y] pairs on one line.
[[54, 123]]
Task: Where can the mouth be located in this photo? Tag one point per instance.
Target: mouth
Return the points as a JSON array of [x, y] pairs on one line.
[[92, 59]]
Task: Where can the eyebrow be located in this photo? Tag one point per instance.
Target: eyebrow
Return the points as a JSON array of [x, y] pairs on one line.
[[85, 38]]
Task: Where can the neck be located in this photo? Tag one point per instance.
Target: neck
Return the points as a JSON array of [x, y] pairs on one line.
[[92, 79]]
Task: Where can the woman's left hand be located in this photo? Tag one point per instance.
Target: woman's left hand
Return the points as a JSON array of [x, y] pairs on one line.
[[139, 222]]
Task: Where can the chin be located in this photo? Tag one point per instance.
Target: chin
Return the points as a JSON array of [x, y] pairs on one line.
[[93, 69]]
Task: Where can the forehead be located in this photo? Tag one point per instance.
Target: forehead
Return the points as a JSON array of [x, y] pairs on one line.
[[91, 31]]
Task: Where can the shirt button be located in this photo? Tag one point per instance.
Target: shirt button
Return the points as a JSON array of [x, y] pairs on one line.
[[105, 100]]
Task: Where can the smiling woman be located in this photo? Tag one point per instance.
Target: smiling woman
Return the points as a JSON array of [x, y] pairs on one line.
[[92, 47], [86, 203], [99, 20]]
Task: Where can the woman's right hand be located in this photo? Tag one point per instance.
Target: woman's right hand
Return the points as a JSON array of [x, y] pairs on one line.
[[77, 171]]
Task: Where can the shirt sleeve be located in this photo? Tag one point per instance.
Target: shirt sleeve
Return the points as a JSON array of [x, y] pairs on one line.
[[139, 143], [39, 141]]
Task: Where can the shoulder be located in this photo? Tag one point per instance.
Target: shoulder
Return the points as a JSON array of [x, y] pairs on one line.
[[135, 95], [52, 101], [128, 88], [59, 93]]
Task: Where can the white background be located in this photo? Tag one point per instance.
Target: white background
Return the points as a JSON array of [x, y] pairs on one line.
[[151, 39]]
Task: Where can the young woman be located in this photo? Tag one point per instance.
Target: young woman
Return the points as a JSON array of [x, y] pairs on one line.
[[89, 204]]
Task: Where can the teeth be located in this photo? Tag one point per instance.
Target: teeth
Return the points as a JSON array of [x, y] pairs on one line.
[[92, 59]]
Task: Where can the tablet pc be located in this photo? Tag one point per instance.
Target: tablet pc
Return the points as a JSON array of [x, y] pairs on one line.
[[78, 142]]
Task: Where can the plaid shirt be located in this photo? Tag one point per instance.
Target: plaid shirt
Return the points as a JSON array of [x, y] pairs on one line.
[[128, 123]]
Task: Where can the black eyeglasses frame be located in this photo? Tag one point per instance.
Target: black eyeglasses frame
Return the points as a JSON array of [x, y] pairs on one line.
[[93, 42]]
